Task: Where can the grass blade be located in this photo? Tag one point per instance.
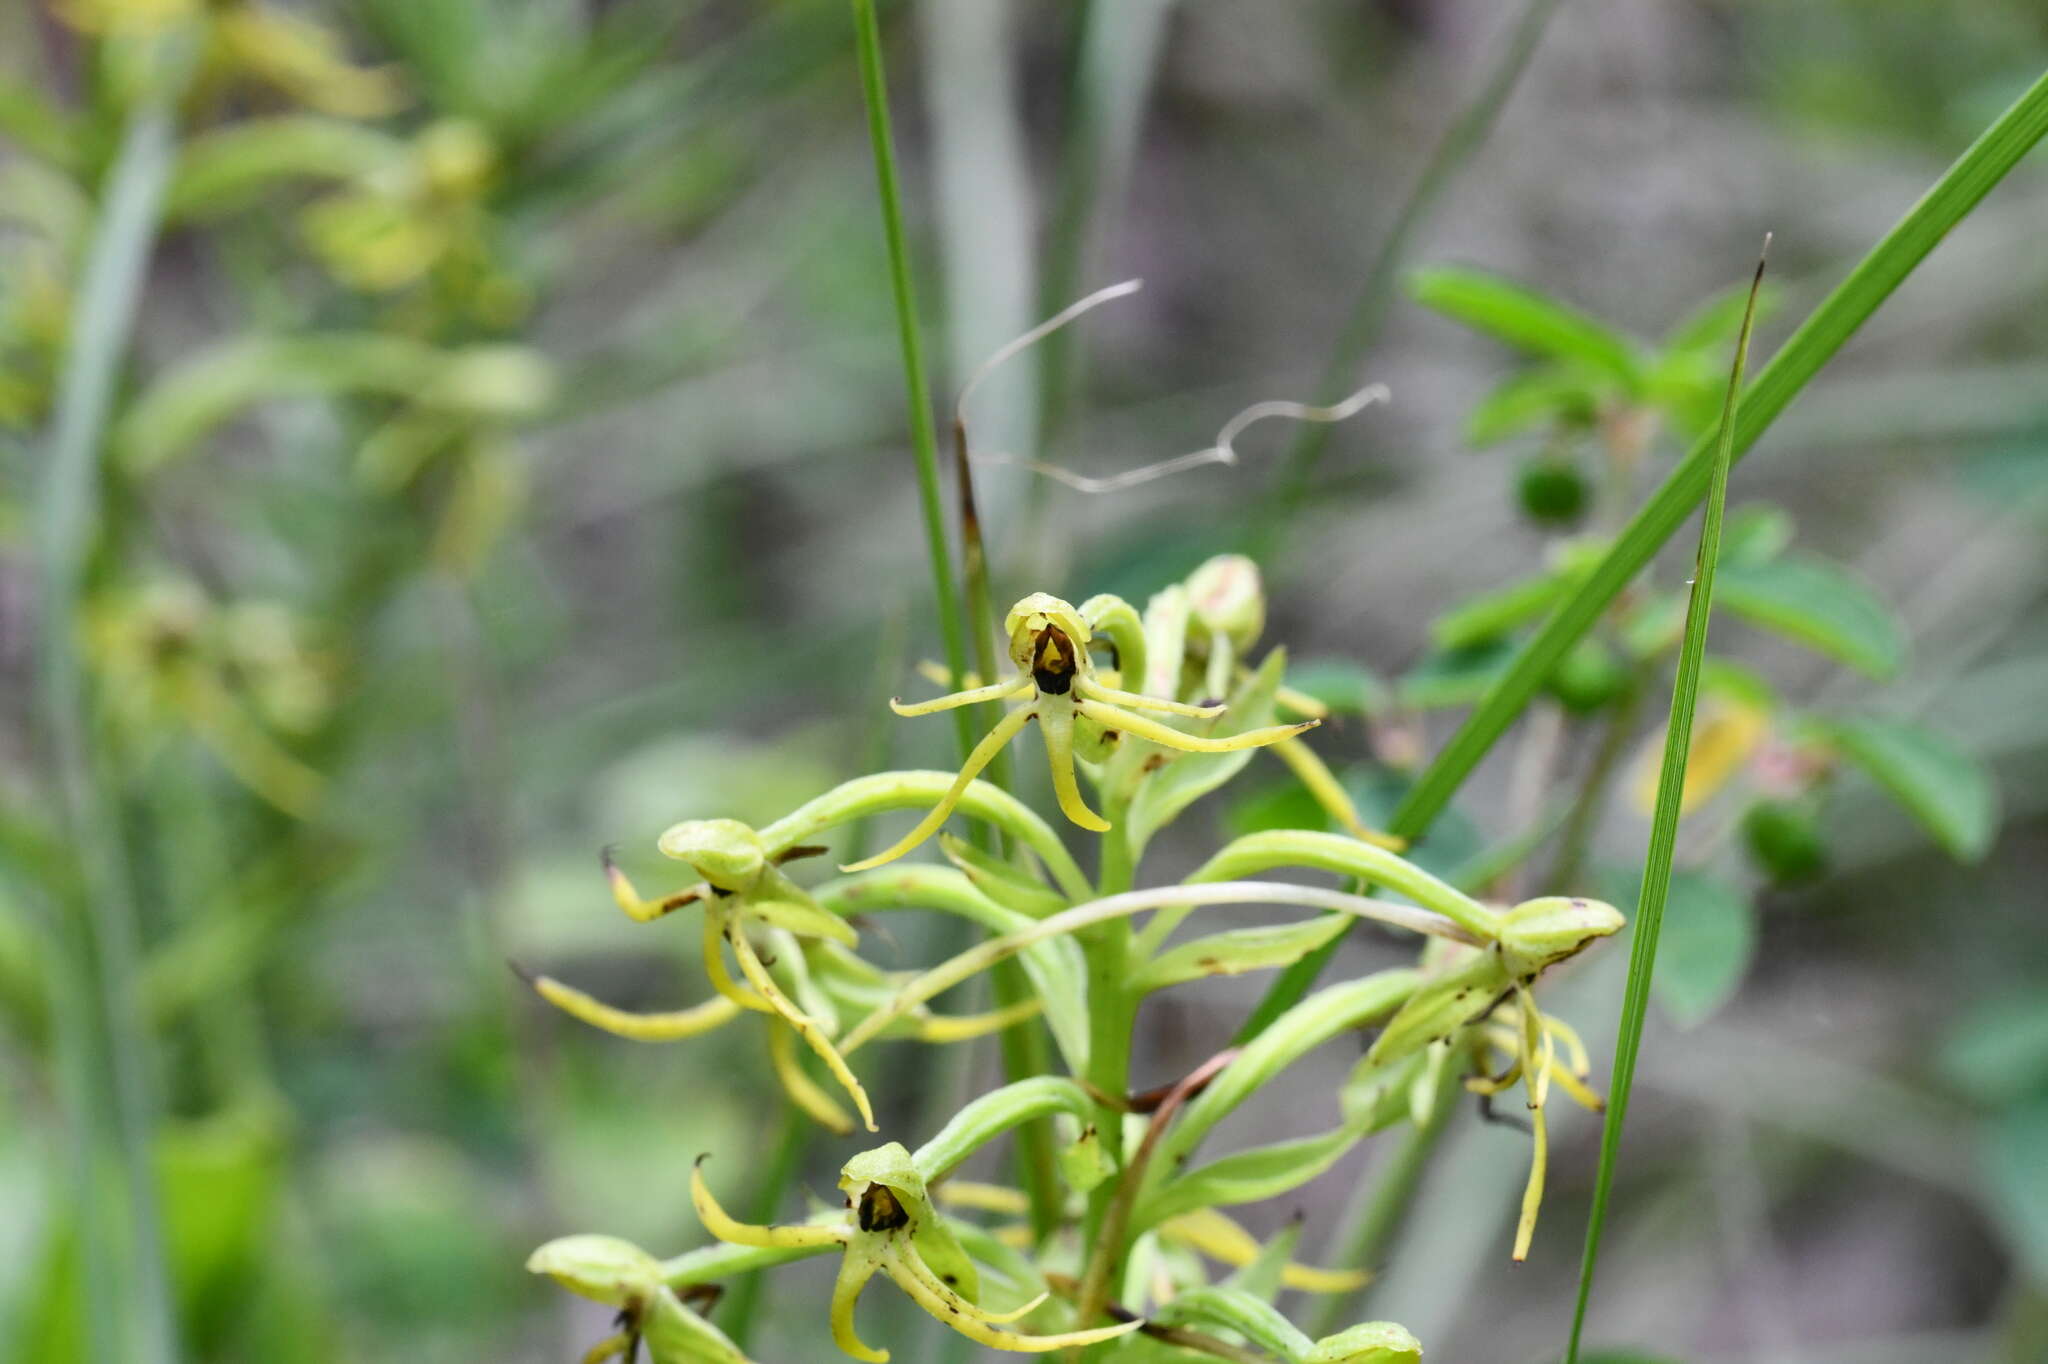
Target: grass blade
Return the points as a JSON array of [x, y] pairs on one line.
[[1649, 920], [105, 1042], [917, 385], [1824, 332]]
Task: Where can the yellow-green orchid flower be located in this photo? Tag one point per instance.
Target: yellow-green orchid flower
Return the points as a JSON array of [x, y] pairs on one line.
[[891, 1227], [1473, 984], [744, 889], [235, 676], [1529, 1040], [1060, 688]]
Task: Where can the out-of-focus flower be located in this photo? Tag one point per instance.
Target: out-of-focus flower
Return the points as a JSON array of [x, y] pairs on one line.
[[264, 43], [168, 658]]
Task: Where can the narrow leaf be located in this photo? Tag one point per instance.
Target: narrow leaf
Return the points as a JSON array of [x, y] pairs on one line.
[[1526, 320], [1190, 777], [1456, 677], [1249, 1176], [1236, 951]]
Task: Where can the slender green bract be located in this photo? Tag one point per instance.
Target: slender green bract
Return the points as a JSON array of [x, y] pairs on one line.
[[1823, 333], [924, 435], [1649, 919]]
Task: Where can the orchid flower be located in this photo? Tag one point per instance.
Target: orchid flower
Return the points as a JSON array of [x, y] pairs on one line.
[[892, 1228], [1060, 688], [1533, 936], [744, 893]]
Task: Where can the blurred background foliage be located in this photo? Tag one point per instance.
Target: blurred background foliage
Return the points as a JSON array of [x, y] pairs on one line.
[[507, 459]]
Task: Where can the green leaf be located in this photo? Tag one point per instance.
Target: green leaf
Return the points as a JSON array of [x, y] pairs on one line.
[[1527, 320], [1709, 942], [1998, 1052], [1481, 620], [1755, 534], [1189, 777], [1821, 606], [1263, 1276], [1249, 1176], [1302, 1028], [1342, 685], [1453, 841], [1281, 805], [995, 1113], [1240, 1312], [221, 171], [1714, 323], [1236, 951], [1456, 677], [2018, 1178], [1560, 395], [1946, 789]]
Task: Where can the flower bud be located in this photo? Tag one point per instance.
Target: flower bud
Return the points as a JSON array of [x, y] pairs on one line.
[[601, 1267], [1539, 933], [1229, 599], [724, 852], [1369, 1342]]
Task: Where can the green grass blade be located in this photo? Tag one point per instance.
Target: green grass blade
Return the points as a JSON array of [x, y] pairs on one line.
[[1464, 137], [1823, 333], [1649, 919], [106, 1044], [924, 434]]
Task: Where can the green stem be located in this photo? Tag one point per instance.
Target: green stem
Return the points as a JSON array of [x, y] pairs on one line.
[[924, 436], [1111, 1013], [1823, 333], [129, 1314], [744, 1301], [1664, 824], [1577, 838], [1466, 134], [980, 608]]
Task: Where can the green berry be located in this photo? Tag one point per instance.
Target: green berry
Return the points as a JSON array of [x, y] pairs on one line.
[[1589, 677], [1552, 491], [1784, 841]]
